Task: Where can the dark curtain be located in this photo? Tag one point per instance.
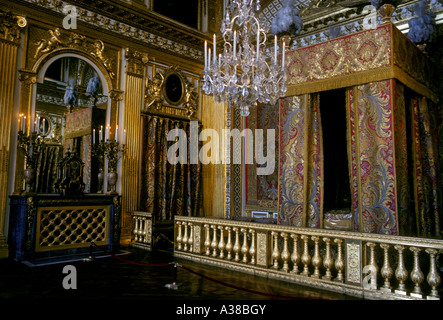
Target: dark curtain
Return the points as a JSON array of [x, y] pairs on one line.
[[168, 189], [46, 168]]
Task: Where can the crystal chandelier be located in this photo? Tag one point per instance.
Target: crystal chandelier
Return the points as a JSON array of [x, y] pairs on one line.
[[243, 73]]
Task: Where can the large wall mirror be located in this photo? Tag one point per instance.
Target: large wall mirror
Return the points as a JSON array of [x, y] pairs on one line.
[[70, 106]]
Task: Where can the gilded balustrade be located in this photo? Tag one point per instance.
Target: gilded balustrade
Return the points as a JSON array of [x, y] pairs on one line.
[[370, 266], [142, 231]]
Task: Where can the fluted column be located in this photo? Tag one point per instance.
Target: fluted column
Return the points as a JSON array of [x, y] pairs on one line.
[[9, 45]]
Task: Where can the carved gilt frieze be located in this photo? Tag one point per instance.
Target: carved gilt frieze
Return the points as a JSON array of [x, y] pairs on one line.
[[56, 39]]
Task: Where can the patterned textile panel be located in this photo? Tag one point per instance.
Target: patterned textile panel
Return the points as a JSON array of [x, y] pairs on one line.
[[167, 189], [375, 158], [425, 181], [401, 160], [78, 123], [262, 187], [292, 145], [314, 162], [301, 162], [363, 51]]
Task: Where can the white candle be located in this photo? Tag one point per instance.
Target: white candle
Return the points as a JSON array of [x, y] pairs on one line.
[[116, 133], [24, 123], [283, 57], [124, 136], [93, 136], [100, 136], [206, 54], [209, 58], [44, 128], [235, 44], [108, 128], [215, 48], [258, 45], [275, 49], [38, 124]]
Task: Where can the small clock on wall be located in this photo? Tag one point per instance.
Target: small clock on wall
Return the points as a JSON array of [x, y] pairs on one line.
[[173, 87]]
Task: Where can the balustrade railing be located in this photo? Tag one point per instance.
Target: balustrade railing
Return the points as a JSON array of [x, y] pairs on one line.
[[370, 266], [142, 231]]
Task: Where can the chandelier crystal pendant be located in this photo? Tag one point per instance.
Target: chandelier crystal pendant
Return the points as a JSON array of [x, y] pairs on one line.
[[243, 73]]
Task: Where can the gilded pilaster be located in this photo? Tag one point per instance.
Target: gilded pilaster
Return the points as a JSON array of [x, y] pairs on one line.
[[10, 26], [133, 103]]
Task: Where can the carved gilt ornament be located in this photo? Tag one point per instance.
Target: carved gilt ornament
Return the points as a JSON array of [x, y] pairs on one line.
[[171, 88], [56, 39]]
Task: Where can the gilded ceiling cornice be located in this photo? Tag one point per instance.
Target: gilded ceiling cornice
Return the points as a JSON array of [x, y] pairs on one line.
[[140, 26]]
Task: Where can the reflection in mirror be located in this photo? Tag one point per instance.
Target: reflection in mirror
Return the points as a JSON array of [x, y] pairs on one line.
[[69, 105]]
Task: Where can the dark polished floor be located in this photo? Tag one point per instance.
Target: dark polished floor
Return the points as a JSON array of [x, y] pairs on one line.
[[131, 277]]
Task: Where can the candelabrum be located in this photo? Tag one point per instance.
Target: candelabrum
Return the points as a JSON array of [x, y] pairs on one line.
[[113, 151], [98, 152], [31, 145], [241, 72]]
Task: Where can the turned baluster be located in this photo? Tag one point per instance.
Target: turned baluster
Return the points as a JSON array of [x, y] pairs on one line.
[[339, 262], [221, 244], [185, 237], [401, 273], [145, 230], [191, 236], [214, 241], [305, 258], [244, 248], [275, 251], [295, 256], [252, 249], [236, 244], [416, 275], [316, 259], [136, 228], [229, 244], [207, 239], [386, 270], [433, 277], [328, 261], [179, 236], [373, 270], [372, 261], [285, 252]]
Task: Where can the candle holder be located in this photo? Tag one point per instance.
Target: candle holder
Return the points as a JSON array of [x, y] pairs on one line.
[[98, 151], [113, 151], [31, 145]]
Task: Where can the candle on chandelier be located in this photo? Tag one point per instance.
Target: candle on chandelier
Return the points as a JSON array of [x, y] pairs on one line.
[[283, 57], [107, 132], [209, 58], [275, 49], [38, 124], [93, 136], [258, 45], [206, 54], [116, 133], [215, 48]]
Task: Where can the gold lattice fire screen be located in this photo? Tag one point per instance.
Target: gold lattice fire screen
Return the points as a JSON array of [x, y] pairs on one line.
[[71, 227]]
